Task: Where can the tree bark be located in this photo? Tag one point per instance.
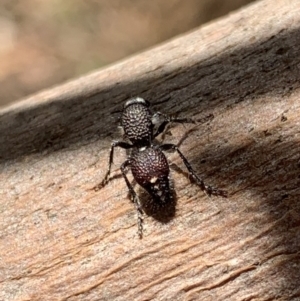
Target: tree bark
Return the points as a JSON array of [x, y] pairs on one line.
[[61, 240]]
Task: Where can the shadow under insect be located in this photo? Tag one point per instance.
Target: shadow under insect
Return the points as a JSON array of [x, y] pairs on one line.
[[163, 212]]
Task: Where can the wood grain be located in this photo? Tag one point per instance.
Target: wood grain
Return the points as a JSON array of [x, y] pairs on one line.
[[61, 240]]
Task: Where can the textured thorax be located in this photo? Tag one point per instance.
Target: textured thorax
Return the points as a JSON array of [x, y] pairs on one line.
[[137, 125]]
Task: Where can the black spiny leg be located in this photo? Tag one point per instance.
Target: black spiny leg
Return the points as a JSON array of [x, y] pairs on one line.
[[135, 199], [167, 120], [111, 157], [209, 190]]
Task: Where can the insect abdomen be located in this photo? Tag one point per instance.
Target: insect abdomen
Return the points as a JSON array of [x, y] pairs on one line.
[[150, 169]]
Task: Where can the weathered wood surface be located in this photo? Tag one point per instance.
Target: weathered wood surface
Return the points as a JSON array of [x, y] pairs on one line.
[[60, 240]]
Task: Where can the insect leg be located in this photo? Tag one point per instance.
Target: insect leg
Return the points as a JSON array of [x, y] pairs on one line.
[[111, 157], [167, 120], [135, 199], [209, 190]]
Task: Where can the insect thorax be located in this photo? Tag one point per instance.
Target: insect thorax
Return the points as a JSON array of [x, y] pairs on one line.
[[137, 125]]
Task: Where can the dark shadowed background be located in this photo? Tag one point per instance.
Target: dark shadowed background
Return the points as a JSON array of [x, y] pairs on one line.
[[46, 42]]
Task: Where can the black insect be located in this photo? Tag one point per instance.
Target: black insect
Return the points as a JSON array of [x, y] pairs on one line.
[[147, 162]]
